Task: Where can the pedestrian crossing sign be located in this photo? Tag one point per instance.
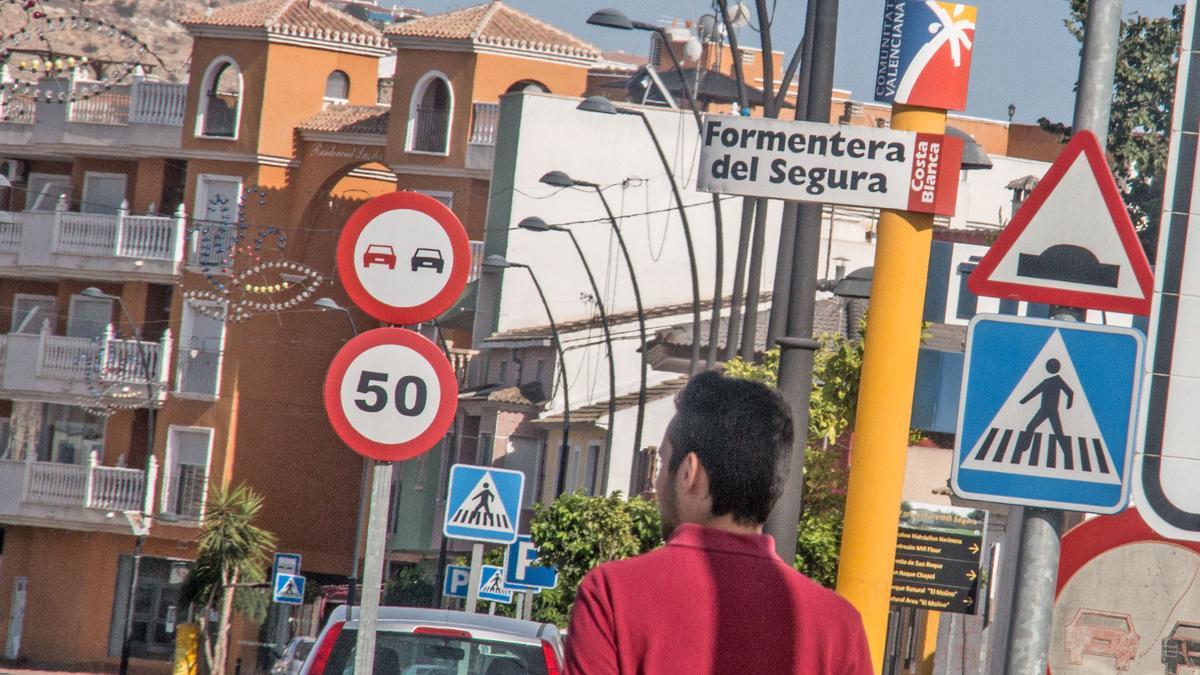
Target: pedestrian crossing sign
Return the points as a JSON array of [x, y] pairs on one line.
[[289, 589], [1047, 413], [484, 504], [491, 583]]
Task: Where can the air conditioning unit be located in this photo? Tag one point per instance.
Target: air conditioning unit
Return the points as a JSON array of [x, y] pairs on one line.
[[13, 170]]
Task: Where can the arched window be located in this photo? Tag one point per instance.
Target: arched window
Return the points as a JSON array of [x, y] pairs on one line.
[[220, 100], [532, 86], [337, 88], [429, 114]]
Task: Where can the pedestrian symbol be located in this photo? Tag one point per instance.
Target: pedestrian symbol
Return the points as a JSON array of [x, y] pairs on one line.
[[484, 503], [289, 589], [1061, 438], [1046, 416]]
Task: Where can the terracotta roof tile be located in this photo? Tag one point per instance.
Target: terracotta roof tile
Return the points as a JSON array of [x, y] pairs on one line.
[[301, 18], [496, 24], [349, 119]]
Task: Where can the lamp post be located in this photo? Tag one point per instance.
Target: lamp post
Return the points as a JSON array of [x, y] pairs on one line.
[[498, 262], [615, 18], [561, 179], [600, 104], [535, 224], [329, 304], [142, 530]]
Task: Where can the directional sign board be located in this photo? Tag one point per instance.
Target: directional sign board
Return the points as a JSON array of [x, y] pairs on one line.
[[390, 394], [1071, 243], [403, 257], [521, 568], [491, 583], [1047, 413], [938, 553], [288, 589], [1167, 469], [483, 504]]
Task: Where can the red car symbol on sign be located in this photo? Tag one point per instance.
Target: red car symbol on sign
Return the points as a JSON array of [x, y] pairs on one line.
[[380, 254]]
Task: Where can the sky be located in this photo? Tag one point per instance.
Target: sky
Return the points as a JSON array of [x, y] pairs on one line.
[[1023, 53]]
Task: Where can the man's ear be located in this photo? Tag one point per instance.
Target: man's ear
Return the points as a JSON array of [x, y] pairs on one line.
[[692, 474]]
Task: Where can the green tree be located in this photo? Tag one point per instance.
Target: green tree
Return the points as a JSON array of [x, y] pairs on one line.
[[1143, 90], [233, 555], [578, 532], [409, 587]]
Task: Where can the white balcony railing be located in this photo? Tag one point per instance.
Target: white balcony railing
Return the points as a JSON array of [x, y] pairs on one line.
[[100, 363], [484, 120], [122, 235], [110, 106], [15, 109], [157, 103], [89, 486]]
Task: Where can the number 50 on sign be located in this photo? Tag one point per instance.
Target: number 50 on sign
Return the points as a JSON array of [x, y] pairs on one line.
[[390, 394]]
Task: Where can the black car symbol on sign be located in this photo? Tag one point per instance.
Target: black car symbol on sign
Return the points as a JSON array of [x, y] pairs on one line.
[[380, 254], [427, 257]]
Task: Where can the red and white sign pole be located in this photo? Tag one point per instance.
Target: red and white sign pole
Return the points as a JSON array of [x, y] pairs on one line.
[[390, 393]]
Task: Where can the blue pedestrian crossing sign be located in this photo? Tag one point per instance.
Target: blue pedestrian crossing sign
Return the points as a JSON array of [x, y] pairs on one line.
[[289, 589], [521, 568], [484, 504], [1047, 413], [491, 583]]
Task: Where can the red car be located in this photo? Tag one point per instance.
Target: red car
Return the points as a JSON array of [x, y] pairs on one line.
[[1101, 633], [379, 254]]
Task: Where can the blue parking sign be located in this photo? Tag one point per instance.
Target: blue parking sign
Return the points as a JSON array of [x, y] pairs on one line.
[[1047, 412], [521, 568], [491, 583]]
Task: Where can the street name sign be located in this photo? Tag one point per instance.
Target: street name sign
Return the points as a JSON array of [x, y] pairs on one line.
[[829, 163], [925, 53], [403, 257], [390, 394], [939, 551], [521, 568], [491, 583], [483, 504], [1167, 467], [1047, 413], [1071, 243]]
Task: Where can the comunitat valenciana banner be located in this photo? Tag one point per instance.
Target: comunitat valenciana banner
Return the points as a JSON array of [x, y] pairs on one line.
[[834, 164]]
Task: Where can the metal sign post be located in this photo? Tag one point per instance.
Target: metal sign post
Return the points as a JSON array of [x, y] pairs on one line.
[[381, 490], [475, 578]]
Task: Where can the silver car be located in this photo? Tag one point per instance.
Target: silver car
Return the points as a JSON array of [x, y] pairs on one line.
[[416, 641], [292, 659]]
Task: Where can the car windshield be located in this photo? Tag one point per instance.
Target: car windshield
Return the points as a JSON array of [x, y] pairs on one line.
[[303, 649], [408, 654]]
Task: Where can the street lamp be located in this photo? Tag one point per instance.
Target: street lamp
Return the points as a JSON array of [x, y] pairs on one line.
[[497, 263], [600, 104], [143, 530], [535, 224], [331, 305], [561, 179]]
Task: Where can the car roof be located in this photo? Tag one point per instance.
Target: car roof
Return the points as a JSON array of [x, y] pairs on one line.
[[499, 626]]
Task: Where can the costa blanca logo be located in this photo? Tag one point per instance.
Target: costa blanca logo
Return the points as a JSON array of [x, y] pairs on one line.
[[925, 53]]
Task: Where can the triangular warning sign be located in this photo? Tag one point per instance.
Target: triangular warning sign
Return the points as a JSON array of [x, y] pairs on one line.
[[1046, 426], [1071, 243], [483, 509]]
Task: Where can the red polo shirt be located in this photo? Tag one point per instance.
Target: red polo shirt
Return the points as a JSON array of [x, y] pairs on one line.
[[712, 601]]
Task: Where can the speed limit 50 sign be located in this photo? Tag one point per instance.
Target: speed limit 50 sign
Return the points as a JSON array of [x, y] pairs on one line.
[[390, 394]]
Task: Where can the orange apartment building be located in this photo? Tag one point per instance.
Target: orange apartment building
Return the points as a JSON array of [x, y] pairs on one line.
[[207, 213]]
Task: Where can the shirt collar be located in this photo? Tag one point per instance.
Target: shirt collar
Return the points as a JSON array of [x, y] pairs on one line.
[[711, 539]]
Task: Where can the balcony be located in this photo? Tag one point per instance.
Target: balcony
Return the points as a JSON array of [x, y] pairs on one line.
[[65, 244], [481, 147], [74, 496], [101, 372], [141, 114]]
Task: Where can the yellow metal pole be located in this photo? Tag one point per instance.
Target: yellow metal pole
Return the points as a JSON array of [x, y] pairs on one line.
[[929, 644], [885, 396]]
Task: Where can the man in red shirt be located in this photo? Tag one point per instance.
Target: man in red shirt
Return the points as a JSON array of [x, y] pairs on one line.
[[716, 598]]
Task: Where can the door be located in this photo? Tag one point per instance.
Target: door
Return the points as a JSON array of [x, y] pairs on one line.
[[216, 218], [102, 193]]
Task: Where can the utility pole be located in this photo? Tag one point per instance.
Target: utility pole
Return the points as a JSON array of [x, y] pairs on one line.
[[798, 347], [1041, 529]]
